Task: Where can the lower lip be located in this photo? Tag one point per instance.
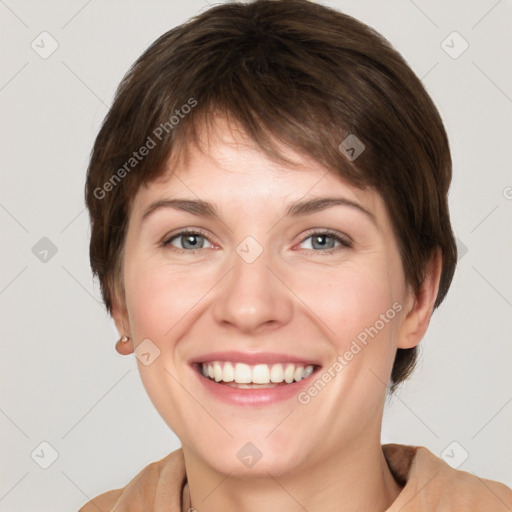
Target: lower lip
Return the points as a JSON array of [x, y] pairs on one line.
[[252, 397]]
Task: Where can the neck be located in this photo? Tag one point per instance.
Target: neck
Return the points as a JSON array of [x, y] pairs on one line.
[[355, 478]]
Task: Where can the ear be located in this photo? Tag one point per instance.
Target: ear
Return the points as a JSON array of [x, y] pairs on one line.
[[421, 305], [120, 316]]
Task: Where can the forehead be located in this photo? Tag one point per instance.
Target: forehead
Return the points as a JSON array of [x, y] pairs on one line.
[[224, 165]]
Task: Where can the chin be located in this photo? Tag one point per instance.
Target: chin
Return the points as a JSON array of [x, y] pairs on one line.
[[253, 456]]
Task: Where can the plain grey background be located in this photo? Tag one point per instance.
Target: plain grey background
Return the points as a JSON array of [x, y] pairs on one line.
[[63, 383]]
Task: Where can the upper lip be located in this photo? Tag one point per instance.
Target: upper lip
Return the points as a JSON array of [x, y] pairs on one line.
[[252, 358]]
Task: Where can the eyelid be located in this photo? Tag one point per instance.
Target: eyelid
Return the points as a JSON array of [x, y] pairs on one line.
[[185, 231], [345, 241]]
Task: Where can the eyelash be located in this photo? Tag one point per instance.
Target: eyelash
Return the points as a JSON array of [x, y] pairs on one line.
[[345, 243]]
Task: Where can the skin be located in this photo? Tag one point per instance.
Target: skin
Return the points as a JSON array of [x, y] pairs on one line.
[[294, 298]]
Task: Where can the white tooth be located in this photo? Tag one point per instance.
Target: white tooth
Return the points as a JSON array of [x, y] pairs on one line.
[[307, 371], [228, 373], [261, 374], [276, 373], [217, 371], [242, 373], [289, 373]]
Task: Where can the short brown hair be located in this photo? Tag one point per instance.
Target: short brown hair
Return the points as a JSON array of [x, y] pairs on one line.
[[290, 71]]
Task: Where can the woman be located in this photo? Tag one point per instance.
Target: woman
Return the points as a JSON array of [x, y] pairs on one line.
[[270, 228]]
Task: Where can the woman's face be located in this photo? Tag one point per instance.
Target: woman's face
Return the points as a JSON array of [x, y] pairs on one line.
[[260, 286]]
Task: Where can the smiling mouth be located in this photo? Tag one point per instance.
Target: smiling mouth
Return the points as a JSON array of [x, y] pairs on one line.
[[259, 376]]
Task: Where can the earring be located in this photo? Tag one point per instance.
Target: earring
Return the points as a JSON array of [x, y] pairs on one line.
[[123, 347]]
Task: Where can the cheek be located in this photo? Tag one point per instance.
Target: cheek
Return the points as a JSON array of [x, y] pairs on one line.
[[159, 298], [354, 305], [159, 302], [359, 311], [348, 300]]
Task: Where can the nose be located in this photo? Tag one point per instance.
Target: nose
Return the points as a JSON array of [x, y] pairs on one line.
[[252, 298]]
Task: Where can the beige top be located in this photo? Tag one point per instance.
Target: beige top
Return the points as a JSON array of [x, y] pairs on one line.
[[429, 484]]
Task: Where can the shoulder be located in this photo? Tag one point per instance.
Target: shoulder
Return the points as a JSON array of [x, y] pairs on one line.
[[141, 490], [104, 502], [432, 484]]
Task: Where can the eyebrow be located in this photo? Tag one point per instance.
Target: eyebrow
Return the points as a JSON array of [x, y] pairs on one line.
[[298, 208]]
